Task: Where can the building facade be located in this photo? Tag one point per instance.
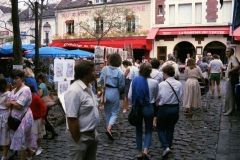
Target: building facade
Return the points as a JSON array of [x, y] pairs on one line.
[[192, 26], [27, 24], [71, 12], [5, 26]]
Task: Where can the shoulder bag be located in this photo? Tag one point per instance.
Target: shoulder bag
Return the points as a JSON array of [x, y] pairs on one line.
[[48, 100], [174, 91], [13, 123], [102, 95], [133, 116]]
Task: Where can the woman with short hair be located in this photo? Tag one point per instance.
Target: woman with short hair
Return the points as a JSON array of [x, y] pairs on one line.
[[114, 84], [192, 91], [19, 101], [143, 93]]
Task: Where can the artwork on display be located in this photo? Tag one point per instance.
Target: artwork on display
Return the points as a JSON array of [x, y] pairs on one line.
[[128, 48], [70, 69], [124, 55], [115, 50], [63, 69], [108, 52], [99, 54], [120, 50], [63, 86]]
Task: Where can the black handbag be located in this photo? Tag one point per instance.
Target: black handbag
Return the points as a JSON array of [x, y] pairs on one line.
[[133, 116], [13, 123]]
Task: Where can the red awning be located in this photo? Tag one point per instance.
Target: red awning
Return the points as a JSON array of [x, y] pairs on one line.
[[151, 37], [138, 42], [193, 30], [237, 38], [236, 33]]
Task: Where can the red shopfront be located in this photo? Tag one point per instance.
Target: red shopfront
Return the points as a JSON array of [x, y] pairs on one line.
[[138, 42]]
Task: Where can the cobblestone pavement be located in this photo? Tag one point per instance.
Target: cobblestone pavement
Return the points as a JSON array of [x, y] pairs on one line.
[[205, 135]]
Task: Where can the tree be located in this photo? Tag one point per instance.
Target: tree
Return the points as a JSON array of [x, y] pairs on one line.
[[17, 42], [106, 19]]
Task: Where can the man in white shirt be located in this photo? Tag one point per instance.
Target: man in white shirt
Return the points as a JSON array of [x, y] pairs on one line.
[[82, 114], [155, 74], [215, 71], [169, 96]]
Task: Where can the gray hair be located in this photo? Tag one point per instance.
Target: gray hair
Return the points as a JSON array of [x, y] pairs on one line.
[[171, 57]]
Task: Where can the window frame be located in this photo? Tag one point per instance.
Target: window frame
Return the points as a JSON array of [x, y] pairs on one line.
[[69, 27], [130, 24], [160, 8], [98, 23], [99, 1]]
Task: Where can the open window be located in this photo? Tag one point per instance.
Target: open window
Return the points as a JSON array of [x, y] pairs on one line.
[[130, 23], [99, 25], [70, 26]]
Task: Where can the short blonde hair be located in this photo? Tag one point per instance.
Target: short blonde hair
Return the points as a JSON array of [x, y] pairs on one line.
[[28, 72]]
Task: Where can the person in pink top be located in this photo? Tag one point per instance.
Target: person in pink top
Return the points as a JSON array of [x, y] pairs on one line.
[[4, 113]]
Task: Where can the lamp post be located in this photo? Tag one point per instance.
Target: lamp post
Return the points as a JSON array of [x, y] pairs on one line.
[[36, 61], [46, 29]]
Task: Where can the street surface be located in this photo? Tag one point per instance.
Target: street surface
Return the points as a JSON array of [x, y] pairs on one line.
[[204, 136]]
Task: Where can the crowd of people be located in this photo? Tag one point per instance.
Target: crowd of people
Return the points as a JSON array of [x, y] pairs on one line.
[[24, 103], [154, 88]]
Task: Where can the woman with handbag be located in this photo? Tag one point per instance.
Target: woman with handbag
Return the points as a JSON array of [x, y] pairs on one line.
[[113, 79], [192, 91], [143, 93], [44, 93], [4, 113], [22, 137]]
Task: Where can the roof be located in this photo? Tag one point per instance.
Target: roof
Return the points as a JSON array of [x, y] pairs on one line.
[[5, 9], [49, 11], [66, 4]]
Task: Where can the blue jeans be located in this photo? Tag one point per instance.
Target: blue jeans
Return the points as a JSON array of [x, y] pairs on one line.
[[166, 119], [146, 115]]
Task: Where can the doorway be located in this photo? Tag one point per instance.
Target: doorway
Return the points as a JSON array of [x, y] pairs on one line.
[[182, 49], [218, 48]]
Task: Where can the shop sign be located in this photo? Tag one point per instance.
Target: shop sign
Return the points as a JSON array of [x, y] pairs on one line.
[[4, 33], [18, 67], [180, 32], [23, 34], [78, 45]]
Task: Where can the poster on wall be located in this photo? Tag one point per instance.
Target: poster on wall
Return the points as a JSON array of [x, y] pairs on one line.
[[129, 50], [63, 86], [99, 54]]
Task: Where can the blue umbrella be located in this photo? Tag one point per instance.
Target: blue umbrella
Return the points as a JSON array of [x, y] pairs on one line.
[[55, 52], [8, 50], [79, 54], [48, 52]]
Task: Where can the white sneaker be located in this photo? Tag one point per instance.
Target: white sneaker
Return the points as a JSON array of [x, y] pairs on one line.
[[39, 151], [167, 150]]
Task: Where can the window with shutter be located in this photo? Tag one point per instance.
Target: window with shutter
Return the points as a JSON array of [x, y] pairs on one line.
[[131, 22], [198, 13], [185, 13], [227, 11], [172, 14]]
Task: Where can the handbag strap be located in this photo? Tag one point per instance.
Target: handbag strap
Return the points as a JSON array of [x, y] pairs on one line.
[[24, 114], [174, 91], [105, 76]]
